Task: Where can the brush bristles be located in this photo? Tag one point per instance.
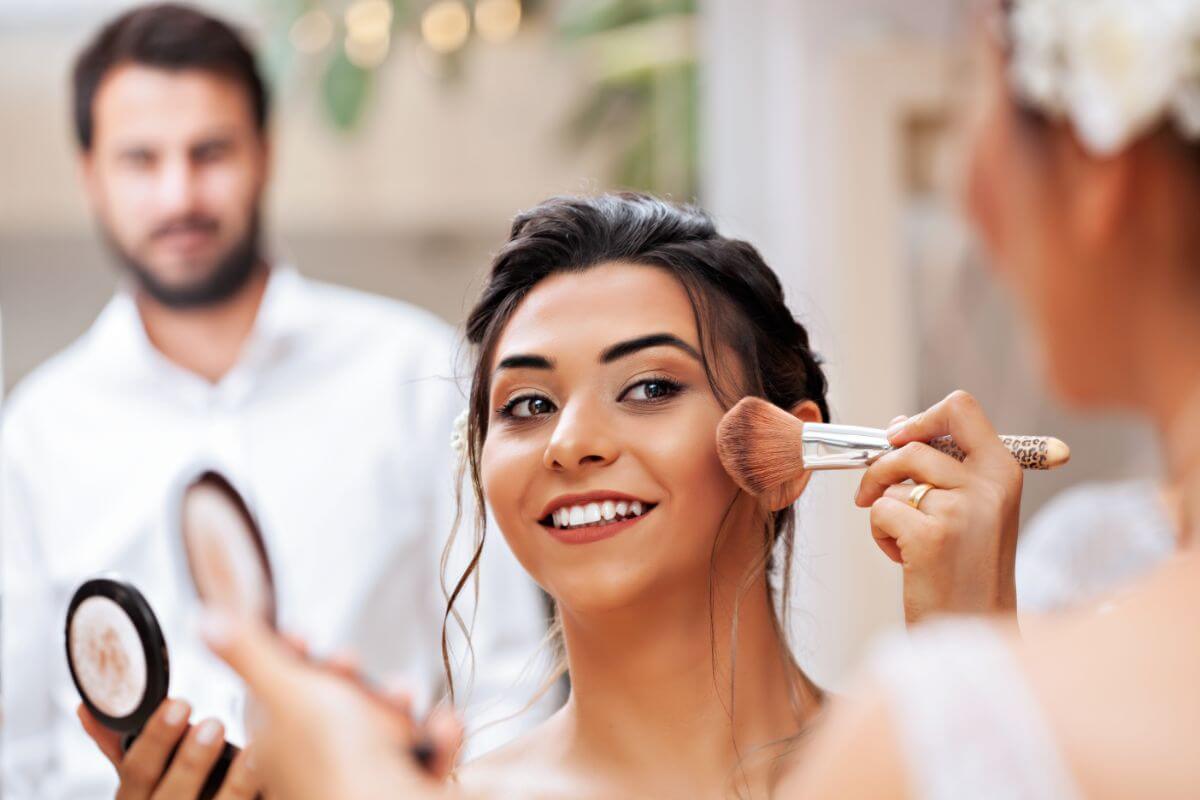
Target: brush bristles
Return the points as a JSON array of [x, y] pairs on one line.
[[760, 445]]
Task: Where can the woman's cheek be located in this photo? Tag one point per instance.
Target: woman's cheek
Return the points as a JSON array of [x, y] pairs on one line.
[[687, 459], [505, 471]]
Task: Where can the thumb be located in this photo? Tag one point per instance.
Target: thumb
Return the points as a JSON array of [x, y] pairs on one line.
[[253, 651], [109, 741]]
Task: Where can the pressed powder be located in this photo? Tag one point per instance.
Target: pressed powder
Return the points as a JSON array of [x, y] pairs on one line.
[[108, 657], [225, 552], [226, 564]]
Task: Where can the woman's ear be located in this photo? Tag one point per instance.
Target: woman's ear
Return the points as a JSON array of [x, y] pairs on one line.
[[1100, 191], [807, 411], [788, 493]]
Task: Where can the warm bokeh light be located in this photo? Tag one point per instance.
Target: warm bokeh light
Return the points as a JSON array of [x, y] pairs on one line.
[[368, 32], [369, 20], [497, 20], [446, 25], [367, 53], [312, 31]]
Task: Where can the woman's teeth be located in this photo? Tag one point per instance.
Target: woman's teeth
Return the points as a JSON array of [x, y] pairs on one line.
[[596, 513]]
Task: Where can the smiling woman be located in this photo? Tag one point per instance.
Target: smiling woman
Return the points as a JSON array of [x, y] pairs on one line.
[[613, 334]]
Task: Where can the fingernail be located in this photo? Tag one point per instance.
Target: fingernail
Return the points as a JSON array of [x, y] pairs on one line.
[[894, 429], [250, 761], [209, 730], [215, 627], [176, 712]]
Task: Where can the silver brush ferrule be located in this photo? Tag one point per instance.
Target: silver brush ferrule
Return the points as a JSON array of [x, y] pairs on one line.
[[829, 446]]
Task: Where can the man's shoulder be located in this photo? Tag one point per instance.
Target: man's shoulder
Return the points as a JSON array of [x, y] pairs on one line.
[[387, 314], [385, 333], [53, 384]]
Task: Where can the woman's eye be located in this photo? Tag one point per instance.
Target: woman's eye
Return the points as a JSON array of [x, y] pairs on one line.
[[651, 390], [527, 407]]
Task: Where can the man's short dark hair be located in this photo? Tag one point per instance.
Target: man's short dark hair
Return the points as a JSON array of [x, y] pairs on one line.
[[169, 36]]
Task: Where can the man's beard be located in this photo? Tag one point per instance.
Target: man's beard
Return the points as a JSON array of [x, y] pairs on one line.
[[230, 274]]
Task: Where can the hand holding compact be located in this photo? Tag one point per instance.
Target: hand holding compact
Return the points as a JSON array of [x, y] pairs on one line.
[[117, 657], [172, 759]]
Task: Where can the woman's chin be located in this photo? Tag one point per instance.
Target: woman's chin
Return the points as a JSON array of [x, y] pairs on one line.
[[603, 586], [633, 567], [1079, 385], [646, 583]]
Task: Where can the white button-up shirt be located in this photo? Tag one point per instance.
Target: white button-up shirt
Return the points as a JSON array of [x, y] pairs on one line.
[[335, 423]]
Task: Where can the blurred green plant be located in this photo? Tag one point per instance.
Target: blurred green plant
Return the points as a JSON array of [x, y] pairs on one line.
[[646, 91], [640, 54]]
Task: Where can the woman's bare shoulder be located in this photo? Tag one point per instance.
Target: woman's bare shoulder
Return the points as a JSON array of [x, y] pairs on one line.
[[1114, 685], [1117, 679], [857, 730]]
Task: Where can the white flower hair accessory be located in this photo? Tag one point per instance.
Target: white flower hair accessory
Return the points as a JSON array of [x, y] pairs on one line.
[[458, 435], [1114, 68]]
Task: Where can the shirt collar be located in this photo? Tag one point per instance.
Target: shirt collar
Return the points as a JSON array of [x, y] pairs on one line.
[[285, 313]]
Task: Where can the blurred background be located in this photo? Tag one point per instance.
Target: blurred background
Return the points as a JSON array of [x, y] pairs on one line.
[[407, 133]]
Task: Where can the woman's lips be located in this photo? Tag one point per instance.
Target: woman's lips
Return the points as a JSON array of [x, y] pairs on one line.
[[596, 531], [592, 516]]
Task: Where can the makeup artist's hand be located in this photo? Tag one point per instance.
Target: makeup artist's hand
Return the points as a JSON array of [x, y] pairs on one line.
[[144, 771], [322, 733], [958, 547]]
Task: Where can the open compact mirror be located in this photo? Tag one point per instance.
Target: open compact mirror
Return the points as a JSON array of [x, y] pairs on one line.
[[116, 650], [225, 552]]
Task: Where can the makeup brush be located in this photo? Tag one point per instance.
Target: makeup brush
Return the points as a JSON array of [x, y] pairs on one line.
[[764, 447]]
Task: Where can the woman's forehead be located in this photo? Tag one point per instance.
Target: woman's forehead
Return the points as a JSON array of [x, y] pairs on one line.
[[596, 307]]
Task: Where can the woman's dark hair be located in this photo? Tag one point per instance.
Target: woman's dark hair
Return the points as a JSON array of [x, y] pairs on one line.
[[168, 36], [737, 301]]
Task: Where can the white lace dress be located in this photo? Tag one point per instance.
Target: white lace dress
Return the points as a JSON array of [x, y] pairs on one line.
[[968, 724], [1088, 541]]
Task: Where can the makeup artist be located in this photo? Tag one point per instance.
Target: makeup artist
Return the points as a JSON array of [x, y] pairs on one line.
[[329, 407]]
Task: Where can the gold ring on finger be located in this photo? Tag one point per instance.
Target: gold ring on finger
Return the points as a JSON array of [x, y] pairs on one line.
[[918, 494]]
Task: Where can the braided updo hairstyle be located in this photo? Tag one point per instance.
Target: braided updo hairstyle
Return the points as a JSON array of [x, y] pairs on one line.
[[737, 300]]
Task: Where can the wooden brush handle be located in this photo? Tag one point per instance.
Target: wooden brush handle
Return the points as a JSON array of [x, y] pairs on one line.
[[1031, 452]]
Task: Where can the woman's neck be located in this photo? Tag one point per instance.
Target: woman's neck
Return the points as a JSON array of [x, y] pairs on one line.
[[1172, 389], [652, 693]]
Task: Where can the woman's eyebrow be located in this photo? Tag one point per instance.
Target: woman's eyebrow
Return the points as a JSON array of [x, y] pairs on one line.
[[630, 346], [524, 361]]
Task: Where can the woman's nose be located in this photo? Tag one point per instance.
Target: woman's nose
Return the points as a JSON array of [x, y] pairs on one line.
[[581, 438]]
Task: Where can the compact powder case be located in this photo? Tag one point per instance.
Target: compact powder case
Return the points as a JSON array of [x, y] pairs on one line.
[[118, 661], [115, 647], [117, 654]]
